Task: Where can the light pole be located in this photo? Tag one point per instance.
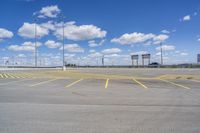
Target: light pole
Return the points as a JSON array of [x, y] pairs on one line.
[[35, 42], [63, 41], [161, 54]]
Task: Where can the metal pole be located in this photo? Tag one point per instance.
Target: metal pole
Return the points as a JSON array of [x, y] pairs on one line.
[[35, 44], [161, 54], [63, 50]]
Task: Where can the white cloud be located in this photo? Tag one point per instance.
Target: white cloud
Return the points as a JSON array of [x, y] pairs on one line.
[[4, 33], [165, 31], [48, 25], [92, 50], [77, 33], [111, 51], [93, 43], [160, 38], [73, 48], [139, 53], [186, 18], [49, 11], [183, 54], [28, 30], [136, 37], [132, 38], [95, 55], [166, 48], [26, 46], [52, 44]]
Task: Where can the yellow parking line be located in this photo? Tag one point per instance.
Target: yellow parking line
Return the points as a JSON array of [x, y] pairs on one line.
[[10, 75], [43, 82], [13, 82], [1, 75], [5, 75], [182, 86], [141, 84], [73, 83], [195, 80], [106, 84]]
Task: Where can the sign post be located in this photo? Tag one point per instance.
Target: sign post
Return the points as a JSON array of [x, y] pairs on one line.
[[133, 58], [146, 56]]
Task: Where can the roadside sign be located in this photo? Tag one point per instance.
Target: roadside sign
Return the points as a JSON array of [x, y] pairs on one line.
[[146, 56], [198, 58], [134, 57]]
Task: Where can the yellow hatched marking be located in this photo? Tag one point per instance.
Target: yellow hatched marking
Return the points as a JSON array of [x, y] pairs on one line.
[[5, 75], [10, 75], [43, 82], [1, 75], [179, 85], [141, 84], [106, 84], [73, 83]]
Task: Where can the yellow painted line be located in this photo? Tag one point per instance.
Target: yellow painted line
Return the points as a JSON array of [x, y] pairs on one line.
[[14, 82], [1, 75], [10, 75], [106, 84], [195, 80], [141, 84], [43, 82], [5, 75], [73, 83], [179, 85]]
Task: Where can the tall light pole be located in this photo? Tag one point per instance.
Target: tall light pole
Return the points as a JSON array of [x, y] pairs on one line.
[[35, 42], [63, 41], [161, 54]]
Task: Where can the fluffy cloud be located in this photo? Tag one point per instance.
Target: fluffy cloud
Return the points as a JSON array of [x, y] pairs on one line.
[[167, 47], [186, 18], [133, 38], [49, 11], [52, 44], [165, 31], [73, 48], [77, 33], [183, 54], [95, 55], [160, 38], [136, 37], [111, 51], [28, 30], [4, 33], [139, 53], [93, 43], [26, 46]]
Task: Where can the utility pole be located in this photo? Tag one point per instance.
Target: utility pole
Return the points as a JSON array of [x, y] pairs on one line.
[[63, 41], [103, 60], [35, 43], [161, 54]]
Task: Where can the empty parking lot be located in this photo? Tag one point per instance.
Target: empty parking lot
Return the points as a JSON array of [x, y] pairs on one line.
[[100, 100]]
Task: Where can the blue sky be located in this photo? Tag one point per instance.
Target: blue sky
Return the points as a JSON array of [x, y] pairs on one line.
[[93, 28]]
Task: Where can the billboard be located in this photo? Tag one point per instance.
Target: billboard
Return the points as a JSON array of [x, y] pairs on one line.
[[146, 56], [134, 57]]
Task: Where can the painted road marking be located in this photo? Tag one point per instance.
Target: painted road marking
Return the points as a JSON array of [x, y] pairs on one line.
[[5, 75], [10, 75], [141, 84], [195, 80], [182, 86], [106, 84], [14, 82], [1, 75], [73, 83], [43, 82]]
